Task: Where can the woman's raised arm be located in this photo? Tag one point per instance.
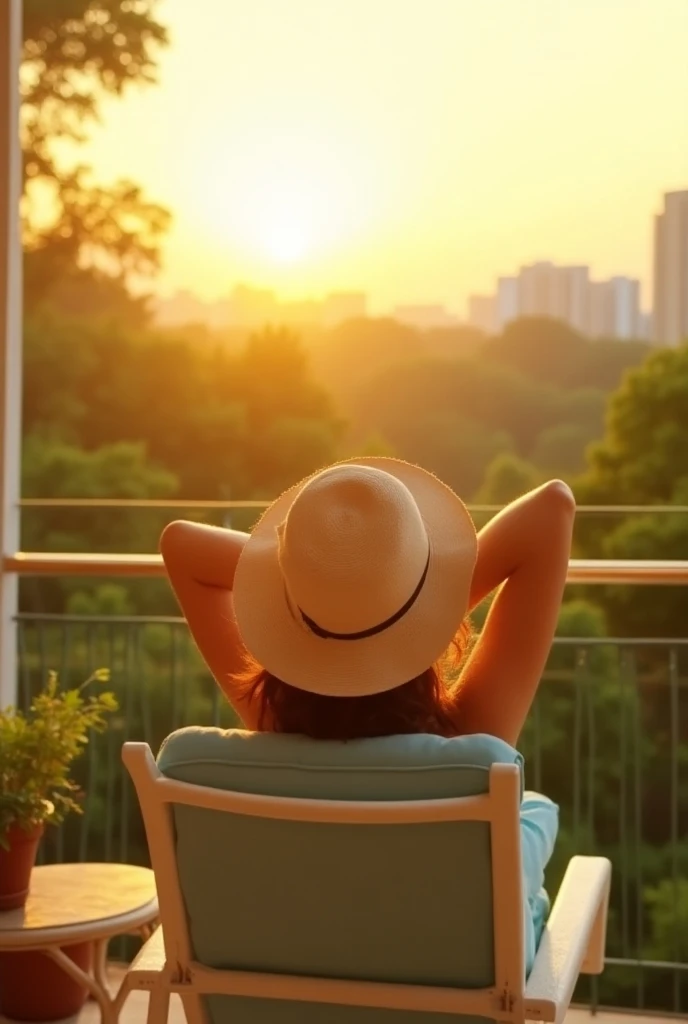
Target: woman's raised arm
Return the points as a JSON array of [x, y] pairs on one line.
[[200, 562], [525, 552]]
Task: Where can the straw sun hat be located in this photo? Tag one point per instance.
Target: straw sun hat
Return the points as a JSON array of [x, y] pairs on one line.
[[355, 580]]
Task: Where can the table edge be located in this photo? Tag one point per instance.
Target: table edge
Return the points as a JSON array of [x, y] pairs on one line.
[[82, 931]]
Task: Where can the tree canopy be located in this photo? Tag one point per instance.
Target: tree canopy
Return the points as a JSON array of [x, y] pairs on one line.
[[550, 351], [97, 236], [642, 459], [643, 456], [506, 478], [74, 52]]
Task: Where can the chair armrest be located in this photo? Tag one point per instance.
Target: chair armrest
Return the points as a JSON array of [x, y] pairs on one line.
[[573, 940], [146, 968], [151, 958]]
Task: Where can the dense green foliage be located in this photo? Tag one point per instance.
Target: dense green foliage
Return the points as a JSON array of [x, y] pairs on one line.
[[454, 407], [132, 412], [643, 460]]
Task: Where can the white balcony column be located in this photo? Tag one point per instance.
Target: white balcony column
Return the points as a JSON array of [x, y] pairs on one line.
[[10, 335]]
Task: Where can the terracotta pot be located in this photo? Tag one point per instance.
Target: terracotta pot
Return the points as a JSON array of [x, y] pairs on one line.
[[34, 988], [16, 865]]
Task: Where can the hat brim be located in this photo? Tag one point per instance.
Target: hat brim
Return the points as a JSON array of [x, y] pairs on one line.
[[285, 647]]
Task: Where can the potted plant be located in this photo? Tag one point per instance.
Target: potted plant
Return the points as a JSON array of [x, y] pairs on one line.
[[37, 749]]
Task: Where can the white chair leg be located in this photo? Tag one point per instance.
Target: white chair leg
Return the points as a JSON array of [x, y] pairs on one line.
[[158, 1004], [194, 1008]]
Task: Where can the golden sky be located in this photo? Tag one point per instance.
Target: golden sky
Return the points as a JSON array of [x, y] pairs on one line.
[[410, 148]]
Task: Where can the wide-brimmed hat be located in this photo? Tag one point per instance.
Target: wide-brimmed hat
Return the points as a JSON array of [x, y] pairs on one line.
[[356, 580]]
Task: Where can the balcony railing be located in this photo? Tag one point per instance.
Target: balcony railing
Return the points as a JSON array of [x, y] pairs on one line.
[[607, 739], [581, 570]]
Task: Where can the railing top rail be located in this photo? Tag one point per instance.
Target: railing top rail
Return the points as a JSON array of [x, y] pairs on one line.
[[597, 571], [209, 504], [151, 503]]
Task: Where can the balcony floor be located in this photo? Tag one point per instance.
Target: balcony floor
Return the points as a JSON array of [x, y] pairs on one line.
[[136, 1007]]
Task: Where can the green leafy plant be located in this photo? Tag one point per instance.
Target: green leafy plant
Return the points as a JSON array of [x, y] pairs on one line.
[[37, 749]]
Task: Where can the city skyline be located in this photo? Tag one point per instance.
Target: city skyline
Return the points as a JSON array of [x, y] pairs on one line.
[[596, 308], [320, 146], [250, 306]]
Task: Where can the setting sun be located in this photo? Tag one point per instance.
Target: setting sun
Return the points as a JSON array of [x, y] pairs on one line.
[[285, 239], [281, 201], [283, 222]]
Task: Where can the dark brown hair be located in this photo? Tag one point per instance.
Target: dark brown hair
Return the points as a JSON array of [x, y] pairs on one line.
[[427, 703]]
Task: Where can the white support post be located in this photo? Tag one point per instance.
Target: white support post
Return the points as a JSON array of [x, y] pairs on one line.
[[11, 296]]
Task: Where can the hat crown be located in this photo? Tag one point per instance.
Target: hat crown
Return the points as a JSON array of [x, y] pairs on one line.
[[353, 548]]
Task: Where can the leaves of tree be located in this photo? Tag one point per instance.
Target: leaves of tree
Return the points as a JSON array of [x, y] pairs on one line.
[[74, 52]]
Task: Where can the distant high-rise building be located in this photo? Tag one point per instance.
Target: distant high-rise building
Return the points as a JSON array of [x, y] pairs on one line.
[[627, 322], [183, 307], [560, 292], [538, 290], [508, 301], [601, 310], [573, 296], [253, 307], [644, 326], [615, 309], [597, 308], [670, 301], [424, 317], [300, 313], [482, 312], [341, 306]]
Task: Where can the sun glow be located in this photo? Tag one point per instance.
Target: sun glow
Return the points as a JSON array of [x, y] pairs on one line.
[[285, 225], [284, 204], [285, 241], [310, 145]]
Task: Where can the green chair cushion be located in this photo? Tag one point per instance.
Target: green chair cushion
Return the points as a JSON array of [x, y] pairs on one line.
[[406, 903]]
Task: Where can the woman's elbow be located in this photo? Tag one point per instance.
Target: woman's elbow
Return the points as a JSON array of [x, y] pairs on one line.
[[560, 498], [170, 536]]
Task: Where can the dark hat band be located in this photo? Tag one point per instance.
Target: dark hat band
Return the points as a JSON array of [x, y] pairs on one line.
[[326, 634]]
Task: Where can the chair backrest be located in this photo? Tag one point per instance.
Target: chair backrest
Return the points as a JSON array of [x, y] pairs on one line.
[[376, 861]]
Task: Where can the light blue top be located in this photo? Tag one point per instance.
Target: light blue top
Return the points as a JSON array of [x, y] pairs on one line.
[[539, 827]]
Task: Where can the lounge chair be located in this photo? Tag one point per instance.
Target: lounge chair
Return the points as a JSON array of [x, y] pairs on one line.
[[376, 882]]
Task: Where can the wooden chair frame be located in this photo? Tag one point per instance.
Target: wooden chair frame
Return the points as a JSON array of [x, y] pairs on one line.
[[573, 941]]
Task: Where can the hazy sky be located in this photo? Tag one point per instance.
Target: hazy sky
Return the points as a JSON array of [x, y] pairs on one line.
[[412, 148]]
